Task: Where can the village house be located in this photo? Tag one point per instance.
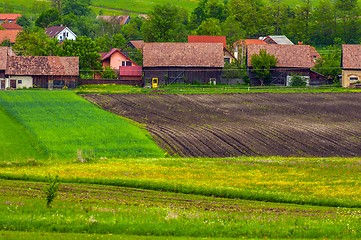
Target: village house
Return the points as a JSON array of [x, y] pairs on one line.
[[228, 56], [119, 20], [351, 65], [9, 32], [136, 44], [9, 17], [61, 33], [126, 68], [37, 71], [240, 46], [277, 39], [183, 62], [291, 60]]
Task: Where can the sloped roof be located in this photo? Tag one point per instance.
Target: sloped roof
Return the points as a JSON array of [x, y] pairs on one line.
[[207, 39], [11, 25], [111, 52], [278, 39], [351, 56], [9, 35], [9, 16], [121, 20], [3, 57], [54, 30], [293, 56], [138, 44], [183, 55], [254, 41], [40, 65]]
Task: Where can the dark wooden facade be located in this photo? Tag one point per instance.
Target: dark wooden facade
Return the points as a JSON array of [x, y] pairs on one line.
[[279, 76], [58, 81], [183, 75]]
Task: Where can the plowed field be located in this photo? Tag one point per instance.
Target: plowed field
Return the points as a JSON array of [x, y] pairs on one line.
[[327, 124]]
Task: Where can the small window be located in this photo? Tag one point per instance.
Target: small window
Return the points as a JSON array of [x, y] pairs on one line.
[[20, 81], [126, 63], [227, 60], [353, 78]]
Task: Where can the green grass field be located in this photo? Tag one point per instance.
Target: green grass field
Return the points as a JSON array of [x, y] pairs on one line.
[[137, 193], [67, 126]]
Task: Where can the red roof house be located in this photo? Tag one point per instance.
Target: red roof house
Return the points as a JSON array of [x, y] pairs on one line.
[[9, 17], [9, 35], [291, 59], [351, 64], [11, 26]]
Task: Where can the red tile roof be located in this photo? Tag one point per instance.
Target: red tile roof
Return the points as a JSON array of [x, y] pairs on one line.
[[293, 56], [208, 39], [3, 57], [111, 52], [11, 26], [138, 44], [183, 55], [40, 65], [121, 20], [351, 56], [254, 41], [9, 16], [9, 35]]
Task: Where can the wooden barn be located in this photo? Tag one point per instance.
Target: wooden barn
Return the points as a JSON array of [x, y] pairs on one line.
[[291, 60], [40, 71], [183, 62]]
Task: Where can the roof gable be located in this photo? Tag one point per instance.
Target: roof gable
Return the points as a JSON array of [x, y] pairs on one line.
[[54, 30], [113, 51], [351, 56], [40, 65], [207, 39], [138, 44], [277, 39], [183, 55], [293, 56]]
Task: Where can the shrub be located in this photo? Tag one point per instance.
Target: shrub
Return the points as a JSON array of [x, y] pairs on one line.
[[52, 189]]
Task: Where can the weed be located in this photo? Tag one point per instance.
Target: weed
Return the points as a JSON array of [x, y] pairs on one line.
[[51, 189]]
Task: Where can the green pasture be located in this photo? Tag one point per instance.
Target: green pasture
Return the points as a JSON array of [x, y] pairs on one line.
[[101, 211], [62, 125]]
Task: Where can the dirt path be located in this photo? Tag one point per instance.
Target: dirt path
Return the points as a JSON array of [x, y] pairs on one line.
[[246, 124]]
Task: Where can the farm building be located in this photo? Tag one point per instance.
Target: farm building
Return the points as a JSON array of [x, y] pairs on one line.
[[9, 17], [277, 39], [351, 64], [291, 60], [228, 56], [183, 62], [39, 71]]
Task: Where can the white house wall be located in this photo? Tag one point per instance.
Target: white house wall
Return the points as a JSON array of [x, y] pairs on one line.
[[69, 35], [23, 81]]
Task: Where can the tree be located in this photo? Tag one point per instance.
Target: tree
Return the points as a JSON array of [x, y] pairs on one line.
[[48, 18], [23, 21], [329, 63], [109, 73], [35, 42], [233, 30], [210, 27], [105, 42], [348, 15], [57, 4], [87, 51], [262, 64], [132, 30], [76, 7], [166, 23]]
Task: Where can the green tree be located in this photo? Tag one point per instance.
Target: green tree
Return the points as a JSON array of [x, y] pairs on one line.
[[233, 30], [105, 42], [132, 30], [48, 18], [35, 42], [329, 63], [76, 7], [349, 21], [166, 23], [210, 27], [299, 26], [87, 51], [24, 21], [323, 30], [109, 73], [262, 65]]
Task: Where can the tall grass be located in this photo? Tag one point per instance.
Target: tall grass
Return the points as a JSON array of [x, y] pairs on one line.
[[325, 182], [67, 126]]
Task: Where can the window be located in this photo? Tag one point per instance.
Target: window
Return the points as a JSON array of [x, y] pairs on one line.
[[353, 78], [126, 63], [20, 81]]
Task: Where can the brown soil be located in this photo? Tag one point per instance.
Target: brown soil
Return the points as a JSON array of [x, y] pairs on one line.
[[226, 125]]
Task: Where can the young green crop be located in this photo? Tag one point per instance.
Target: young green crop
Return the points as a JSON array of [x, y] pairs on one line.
[[315, 181], [67, 126]]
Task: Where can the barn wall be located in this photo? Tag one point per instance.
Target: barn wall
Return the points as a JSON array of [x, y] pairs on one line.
[[187, 75]]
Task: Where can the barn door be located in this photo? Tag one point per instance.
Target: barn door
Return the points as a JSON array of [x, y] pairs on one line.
[[12, 83], [176, 77]]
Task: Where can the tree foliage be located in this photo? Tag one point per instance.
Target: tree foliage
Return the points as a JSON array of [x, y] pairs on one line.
[[48, 18], [262, 65]]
